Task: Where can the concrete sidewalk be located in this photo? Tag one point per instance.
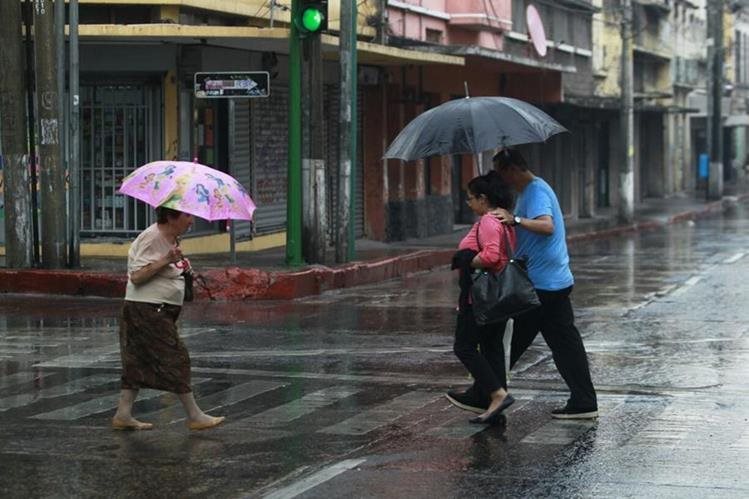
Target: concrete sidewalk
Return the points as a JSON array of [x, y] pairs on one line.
[[263, 275]]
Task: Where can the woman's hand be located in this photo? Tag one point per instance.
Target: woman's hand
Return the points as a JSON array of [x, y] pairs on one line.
[[174, 255], [144, 274], [184, 265], [477, 263]]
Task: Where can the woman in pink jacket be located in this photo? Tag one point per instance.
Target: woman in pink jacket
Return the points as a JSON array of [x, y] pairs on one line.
[[480, 348]]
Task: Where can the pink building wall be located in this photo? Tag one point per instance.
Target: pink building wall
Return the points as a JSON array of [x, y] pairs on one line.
[[471, 22]]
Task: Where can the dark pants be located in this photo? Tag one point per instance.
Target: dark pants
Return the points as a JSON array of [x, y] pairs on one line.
[[556, 322], [488, 365]]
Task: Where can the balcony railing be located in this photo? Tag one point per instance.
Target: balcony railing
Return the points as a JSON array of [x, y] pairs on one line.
[[662, 5], [686, 71]]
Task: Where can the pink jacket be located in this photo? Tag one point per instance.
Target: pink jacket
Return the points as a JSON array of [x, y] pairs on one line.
[[490, 241]]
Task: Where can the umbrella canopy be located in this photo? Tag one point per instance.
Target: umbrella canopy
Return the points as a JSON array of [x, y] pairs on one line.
[[472, 125], [190, 187]]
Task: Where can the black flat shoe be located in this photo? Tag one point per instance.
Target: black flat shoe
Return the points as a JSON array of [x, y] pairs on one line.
[[496, 414]]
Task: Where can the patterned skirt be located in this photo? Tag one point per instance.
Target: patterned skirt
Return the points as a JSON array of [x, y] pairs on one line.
[[153, 355]]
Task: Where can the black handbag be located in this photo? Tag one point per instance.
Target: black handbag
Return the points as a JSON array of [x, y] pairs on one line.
[[498, 296], [188, 276]]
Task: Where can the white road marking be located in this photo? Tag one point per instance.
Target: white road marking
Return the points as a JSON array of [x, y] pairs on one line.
[[107, 353], [735, 258], [224, 398], [99, 405], [322, 476], [22, 377], [315, 352], [298, 408], [380, 415], [69, 388], [458, 427], [687, 284], [559, 432]]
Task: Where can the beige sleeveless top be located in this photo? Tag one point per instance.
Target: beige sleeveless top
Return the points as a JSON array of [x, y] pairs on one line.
[[167, 286]]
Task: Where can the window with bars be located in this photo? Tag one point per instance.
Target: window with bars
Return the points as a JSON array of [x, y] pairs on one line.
[[117, 136]]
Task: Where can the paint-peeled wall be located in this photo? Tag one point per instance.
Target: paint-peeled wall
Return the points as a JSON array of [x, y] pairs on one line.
[[607, 51], [2, 198]]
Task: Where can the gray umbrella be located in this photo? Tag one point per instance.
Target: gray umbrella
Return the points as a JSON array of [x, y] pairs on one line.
[[472, 125]]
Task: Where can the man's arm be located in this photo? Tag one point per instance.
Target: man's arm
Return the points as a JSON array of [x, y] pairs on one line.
[[543, 225]]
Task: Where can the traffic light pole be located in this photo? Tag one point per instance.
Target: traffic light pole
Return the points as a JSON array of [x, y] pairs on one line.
[[294, 200]]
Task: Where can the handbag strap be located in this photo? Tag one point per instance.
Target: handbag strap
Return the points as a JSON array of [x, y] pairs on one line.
[[508, 247]]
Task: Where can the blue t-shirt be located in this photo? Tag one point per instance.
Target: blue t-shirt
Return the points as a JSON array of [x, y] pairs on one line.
[[546, 256]]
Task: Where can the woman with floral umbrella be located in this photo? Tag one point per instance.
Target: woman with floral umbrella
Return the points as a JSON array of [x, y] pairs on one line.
[[153, 354]]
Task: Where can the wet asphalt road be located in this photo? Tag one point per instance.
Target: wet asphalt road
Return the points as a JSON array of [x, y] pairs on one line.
[[341, 395]]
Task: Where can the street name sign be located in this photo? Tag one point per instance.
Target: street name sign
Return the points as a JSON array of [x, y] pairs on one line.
[[232, 84]]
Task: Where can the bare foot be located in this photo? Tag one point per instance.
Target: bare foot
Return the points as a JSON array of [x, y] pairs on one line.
[[130, 424], [204, 422]]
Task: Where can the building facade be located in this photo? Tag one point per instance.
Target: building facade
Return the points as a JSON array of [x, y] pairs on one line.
[[139, 60]]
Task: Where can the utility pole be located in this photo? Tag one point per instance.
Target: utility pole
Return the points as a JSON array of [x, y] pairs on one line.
[[15, 161], [345, 241], [714, 98], [52, 174], [626, 174], [74, 249]]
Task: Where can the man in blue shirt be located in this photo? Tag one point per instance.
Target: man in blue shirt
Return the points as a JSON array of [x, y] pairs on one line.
[[541, 241]]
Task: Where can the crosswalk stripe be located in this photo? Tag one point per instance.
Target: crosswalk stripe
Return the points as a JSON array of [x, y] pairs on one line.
[[559, 432], [301, 486], [742, 442], [669, 428], [298, 408], [90, 407], [21, 377], [99, 405], [31, 342], [69, 388], [109, 352], [458, 427], [224, 398], [366, 421], [16, 350]]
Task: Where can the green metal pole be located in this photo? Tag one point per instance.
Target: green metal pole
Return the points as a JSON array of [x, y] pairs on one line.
[[351, 246], [294, 199]]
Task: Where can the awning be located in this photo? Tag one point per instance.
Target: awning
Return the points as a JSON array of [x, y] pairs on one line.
[[737, 120], [473, 50], [255, 39]]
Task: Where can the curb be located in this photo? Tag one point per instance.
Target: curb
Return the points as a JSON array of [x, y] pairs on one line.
[[239, 284], [62, 282]]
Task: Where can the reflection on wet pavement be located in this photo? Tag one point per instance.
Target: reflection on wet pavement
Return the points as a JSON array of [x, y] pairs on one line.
[[341, 395]]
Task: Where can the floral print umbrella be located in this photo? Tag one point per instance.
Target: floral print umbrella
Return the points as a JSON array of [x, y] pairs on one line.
[[191, 188]]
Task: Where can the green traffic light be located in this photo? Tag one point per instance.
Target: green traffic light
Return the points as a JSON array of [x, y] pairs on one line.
[[312, 19]]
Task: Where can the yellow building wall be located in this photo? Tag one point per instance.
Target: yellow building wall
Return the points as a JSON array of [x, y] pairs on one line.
[[204, 245], [257, 9], [729, 47], [607, 40]]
